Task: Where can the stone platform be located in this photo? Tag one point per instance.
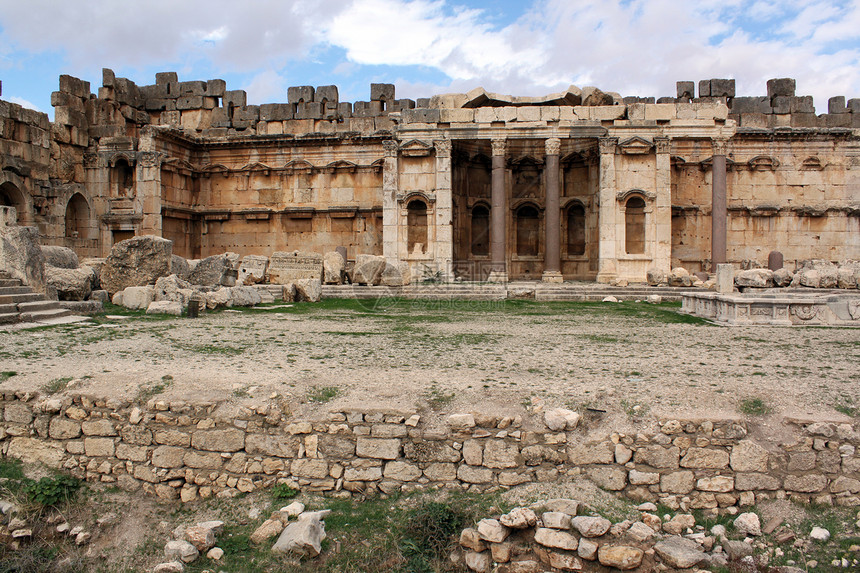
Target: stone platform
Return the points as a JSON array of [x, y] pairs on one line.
[[525, 290], [777, 307]]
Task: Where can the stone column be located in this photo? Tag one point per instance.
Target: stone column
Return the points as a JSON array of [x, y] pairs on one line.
[[552, 217], [663, 206], [719, 212], [148, 183], [607, 268], [444, 210], [390, 217], [498, 214]]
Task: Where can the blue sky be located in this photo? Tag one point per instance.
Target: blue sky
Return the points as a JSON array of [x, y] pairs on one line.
[[634, 47]]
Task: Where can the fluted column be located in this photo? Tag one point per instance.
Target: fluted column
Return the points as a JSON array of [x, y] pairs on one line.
[[552, 215], [498, 214], [607, 252], [389, 201], [719, 212]]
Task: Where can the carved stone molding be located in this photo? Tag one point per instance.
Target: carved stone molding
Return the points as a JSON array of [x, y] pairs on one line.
[[553, 146], [662, 144], [720, 146], [443, 148], [150, 158]]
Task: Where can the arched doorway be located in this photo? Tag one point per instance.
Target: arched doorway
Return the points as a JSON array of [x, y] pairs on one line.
[[11, 196], [77, 218], [634, 226], [416, 221]]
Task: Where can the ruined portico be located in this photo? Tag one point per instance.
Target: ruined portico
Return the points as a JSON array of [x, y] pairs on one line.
[[577, 185]]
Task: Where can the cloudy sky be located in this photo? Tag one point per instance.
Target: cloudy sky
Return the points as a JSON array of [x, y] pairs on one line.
[[519, 47]]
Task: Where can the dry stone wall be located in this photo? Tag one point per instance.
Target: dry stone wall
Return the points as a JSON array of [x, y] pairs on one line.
[[175, 449]]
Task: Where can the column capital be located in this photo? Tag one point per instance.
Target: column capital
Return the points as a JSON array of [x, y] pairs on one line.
[[443, 147], [553, 146], [608, 145], [498, 144], [720, 146], [661, 144], [150, 158], [389, 146]]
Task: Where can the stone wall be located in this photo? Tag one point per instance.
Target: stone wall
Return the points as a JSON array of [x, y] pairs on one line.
[[175, 449]]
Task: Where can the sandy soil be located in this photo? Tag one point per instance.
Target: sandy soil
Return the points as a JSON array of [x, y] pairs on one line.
[[631, 360]]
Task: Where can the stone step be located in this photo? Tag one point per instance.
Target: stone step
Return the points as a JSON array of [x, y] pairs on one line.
[[8, 308], [14, 289], [9, 282], [40, 315], [19, 298], [9, 317], [38, 305]]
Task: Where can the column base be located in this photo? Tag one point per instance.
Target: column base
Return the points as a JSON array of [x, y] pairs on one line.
[[606, 278], [552, 277], [498, 277]]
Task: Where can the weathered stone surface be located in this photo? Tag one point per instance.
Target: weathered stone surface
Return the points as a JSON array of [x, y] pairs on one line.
[[560, 419], [308, 468], [677, 482], [679, 524], [748, 456], [227, 440], [135, 298], [478, 562], [722, 484], [655, 276], [137, 261], [63, 429], [459, 422], [555, 539], [658, 457], [334, 268], [245, 296], [20, 253], [210, 271], [582, 454], [587, 549], [305, 536], [499, 454], [60, 257], [287, 267], [70, 283], [378, 448], [308, 290], [705, 458], [559, 558], [609, 478], [736, 549], [368, 269], [180, 550], [267, 530], [442, 471], [748, 524], [756, 481], [809, 483], [493, 531], [470, 539], [621, 557], [32, 450], [471, 474], [168, 457], [252, 270], [591, 526], [99, 447], [555, 520], [164, 307], [401, 471], [643, 478], [679, 552], [202, 538], [756, 278], [520, 518]]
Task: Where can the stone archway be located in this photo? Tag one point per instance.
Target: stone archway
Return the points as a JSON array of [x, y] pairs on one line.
[[12, 196], [78, 220]]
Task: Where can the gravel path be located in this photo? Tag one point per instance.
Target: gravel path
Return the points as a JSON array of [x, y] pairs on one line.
[[632, 360]]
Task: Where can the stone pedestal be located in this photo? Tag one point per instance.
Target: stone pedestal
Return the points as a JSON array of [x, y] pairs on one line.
[[725, 279]]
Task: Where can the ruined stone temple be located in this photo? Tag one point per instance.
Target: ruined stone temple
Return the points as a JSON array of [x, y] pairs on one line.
[[582, 184]]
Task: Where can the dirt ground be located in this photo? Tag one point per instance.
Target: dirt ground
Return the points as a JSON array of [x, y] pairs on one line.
[[632, 360]]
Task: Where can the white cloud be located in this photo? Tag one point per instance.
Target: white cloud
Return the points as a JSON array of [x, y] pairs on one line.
[[23, 103], [267, 86]]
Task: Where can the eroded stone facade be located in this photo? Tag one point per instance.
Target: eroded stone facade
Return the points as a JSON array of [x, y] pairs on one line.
[[576, 185]]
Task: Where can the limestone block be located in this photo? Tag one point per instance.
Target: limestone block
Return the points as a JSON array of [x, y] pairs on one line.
[[560, 419], [755, 482], [556, 539], [471, 474], [748, 456], [227, 440], [60, 257], [660, 111], [368, 269], [20, 254], [32, 450], [308, 290], [164, 307], [98, 447], [590, 526], [401, 471], [609, 478], [679, 552], [136, 262], [99, 427], [637, 477], [470, 539], [478, 562], [363, 474], [334, 268], [705, 458], [722, 484], [441, 471], [168, 457], [757, 278], [493, 531], [748, 524], [677, 482], [809, 483], [587, 549], [621, 557], [679, 524], [556, 520], [310, 468], [658, 456], [63, 429], [521, 518], [499, 454], [378, 448], [600, 453]]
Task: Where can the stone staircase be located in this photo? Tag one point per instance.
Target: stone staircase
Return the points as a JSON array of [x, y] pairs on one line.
[[18, 303], [569, 291]]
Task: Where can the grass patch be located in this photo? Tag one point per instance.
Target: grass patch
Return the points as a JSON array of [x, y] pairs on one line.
[[150, 389], [6, 374], [437, 397], [57, 385], [754, 407], [323, 394], [634, 408], [283, 491]]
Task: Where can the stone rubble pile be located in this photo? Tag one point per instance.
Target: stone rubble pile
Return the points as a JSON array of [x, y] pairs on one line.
[[188, 544], [557, 535], [814, 273]]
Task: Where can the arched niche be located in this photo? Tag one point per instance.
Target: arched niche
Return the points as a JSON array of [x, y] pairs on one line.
[[78, 220], [416, 222]]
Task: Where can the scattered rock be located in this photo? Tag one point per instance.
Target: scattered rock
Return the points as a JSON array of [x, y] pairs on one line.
[[679, 552], [748, 524], [519, 518], [368, 269], [591, 526], [620, 556], [560, 419], [178, 550], [493, 531], [819, 534], [304, 536], [137, 261]]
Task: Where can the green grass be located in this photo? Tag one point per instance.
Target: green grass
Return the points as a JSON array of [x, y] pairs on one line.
[[437, 397], [57, 385], [6, 374], [754, 407], [323, 394], [150, 389]]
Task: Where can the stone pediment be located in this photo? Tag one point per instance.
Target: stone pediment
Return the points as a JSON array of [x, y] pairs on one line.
[[257, 167], [763, 163], [416, 148], [342, 165], [812, 164], [636, 146], [215, 168], [299, 165]]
